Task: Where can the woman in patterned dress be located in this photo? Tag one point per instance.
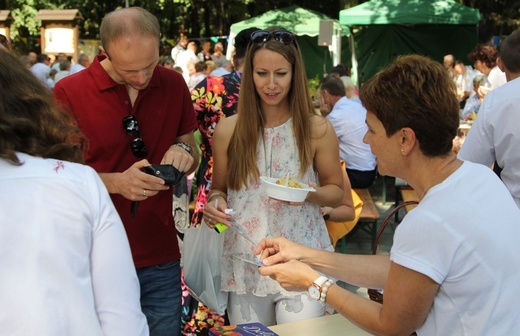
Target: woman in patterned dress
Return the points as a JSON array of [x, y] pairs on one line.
[[215, 98]]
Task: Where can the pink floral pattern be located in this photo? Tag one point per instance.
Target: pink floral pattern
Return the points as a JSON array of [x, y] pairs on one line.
[[213, 99], [58, 165], [264, 217]]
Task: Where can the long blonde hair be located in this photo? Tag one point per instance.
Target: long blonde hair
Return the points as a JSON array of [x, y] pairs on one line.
[[249, 129]]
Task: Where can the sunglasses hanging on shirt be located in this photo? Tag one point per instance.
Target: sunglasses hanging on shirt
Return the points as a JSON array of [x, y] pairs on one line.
[[131, 127]]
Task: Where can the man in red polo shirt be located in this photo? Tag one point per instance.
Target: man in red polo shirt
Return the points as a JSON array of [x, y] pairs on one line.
[[135, 113]]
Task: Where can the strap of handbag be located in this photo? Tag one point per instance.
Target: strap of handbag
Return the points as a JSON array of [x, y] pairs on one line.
[[385, 223]]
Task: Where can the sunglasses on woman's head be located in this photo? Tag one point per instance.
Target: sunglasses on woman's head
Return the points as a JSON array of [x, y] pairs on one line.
[[131, 127], [282, 36]]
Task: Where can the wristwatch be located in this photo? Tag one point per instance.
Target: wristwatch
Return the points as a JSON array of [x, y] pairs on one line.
[[184, 146], [315, 288]]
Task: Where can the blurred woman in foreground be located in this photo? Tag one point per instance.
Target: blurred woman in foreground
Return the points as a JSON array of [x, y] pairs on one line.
[[66, 263]]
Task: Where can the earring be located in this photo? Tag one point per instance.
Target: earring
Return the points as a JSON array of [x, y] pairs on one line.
[[402, 150]]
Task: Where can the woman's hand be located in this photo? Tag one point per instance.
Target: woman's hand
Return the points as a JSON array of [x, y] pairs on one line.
[[214, 213], [292, 275], [325, 211], [278, 250]]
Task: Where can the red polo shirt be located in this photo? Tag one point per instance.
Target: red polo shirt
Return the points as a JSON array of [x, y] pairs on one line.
[[164, 111]]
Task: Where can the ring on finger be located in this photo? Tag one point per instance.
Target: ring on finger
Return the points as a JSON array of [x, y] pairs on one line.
[[144, 192]]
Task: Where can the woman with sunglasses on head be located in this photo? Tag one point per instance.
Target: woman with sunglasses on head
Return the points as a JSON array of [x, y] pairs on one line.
[[275, 133], [66, 262]]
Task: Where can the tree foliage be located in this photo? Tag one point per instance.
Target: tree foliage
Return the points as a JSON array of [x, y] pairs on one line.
[[212, 18]]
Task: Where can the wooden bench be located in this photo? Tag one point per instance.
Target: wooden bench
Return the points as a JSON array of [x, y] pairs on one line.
[[407, 193], [367, 220], [369, 214]]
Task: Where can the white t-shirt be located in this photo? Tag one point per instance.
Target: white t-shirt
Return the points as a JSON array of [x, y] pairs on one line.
[[496, 77], [66, 264], [348, 119], [76, 68], [495, 135], [464, 236], [183, 59], [465, 82], [41, 71]]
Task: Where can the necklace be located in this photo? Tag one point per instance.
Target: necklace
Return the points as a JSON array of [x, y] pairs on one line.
[[431, 182]]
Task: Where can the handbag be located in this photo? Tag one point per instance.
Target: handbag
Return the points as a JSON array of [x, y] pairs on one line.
[[202, 254], [167, 172]]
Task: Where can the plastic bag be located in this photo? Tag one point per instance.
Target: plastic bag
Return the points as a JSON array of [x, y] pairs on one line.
[[202, 254]]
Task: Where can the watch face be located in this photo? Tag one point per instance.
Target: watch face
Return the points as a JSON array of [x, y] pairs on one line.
[[314, 292]]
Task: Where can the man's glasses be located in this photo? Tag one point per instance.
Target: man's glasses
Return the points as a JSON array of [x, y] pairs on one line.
[[131, 127], [282, 36]]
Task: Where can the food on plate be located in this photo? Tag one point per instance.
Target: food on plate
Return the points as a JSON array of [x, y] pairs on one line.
[[292, 183]]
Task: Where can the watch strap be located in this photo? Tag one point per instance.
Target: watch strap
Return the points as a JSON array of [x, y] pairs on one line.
[[184, 146], [320, 281]]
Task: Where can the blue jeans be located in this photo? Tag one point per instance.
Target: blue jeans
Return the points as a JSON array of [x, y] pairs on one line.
[[161, 297]]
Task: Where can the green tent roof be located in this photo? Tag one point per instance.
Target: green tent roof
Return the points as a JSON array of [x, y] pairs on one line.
[[409, 12], [294, 18]]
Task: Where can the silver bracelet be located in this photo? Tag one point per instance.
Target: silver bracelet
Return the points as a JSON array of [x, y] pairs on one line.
[[215, 194]]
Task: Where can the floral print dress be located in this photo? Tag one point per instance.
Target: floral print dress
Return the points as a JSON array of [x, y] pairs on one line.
[[262, 216], [213, 99]]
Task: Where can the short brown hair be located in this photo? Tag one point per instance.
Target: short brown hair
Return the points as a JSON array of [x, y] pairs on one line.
[[333, 85], [485, 53], [510, 52], [415, 92], [128, 21]]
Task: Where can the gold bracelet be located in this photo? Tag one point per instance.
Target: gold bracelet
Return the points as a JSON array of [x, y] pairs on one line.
[[215, 194]]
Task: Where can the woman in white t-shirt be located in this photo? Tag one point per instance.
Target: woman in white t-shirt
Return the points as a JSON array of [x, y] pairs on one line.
[[485, 57], [66, 262], [454, 265]]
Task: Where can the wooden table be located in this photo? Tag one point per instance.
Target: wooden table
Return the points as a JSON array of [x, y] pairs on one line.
[[329, 325]]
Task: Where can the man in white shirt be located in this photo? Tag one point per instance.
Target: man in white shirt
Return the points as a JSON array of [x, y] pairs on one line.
[[225, 69], [347, 116], [495, 136], [83, 63], [41, 68], [463, 80], [179, 47], [60, 58], [188, 55]]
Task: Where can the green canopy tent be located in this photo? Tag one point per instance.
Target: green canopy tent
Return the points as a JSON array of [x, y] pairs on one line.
[[385, 29], [306, 25]]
